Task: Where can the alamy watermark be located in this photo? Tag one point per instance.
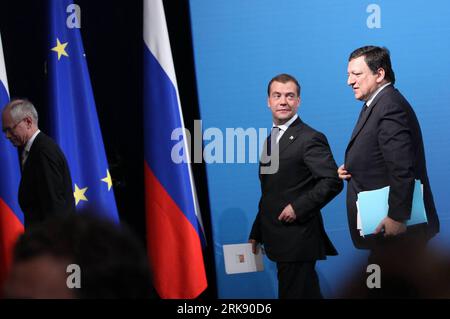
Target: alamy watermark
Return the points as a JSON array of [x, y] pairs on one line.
[[74, 279], [373, 21], [374, 279], [229, 146]]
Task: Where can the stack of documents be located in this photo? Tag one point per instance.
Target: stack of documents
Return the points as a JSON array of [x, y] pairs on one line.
[[373, 207]]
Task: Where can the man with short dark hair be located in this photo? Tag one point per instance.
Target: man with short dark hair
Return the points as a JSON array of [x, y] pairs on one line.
[[46, 185], [289, 222], [385, 149]]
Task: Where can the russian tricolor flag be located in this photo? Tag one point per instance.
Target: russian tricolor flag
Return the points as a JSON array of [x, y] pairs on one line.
[[174, 227], [11, 217]]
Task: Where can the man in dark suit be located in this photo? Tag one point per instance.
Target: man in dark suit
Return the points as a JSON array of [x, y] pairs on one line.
[[289, 221], [46, 186], [385, 149]]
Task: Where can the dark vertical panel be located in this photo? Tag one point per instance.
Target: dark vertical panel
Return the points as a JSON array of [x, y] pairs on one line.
[[113, 42]]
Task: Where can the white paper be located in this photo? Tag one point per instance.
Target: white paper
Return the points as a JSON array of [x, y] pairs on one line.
[[358, 221], [239, 258]]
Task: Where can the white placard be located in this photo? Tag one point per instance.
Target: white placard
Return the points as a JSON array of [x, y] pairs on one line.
[[239, 258]]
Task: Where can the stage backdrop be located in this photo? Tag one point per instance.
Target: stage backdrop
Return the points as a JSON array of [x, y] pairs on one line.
[[240, 45]]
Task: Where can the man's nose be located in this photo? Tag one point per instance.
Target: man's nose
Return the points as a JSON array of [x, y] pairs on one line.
[[350, 80], [283, 100]]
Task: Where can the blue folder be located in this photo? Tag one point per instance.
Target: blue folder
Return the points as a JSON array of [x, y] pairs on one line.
[[373, 207]]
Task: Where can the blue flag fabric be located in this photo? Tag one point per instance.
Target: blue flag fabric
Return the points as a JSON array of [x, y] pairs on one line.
[[11, 217], [9, 161], [74, 121]]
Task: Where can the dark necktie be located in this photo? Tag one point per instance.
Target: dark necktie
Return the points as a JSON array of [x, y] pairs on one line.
[[273, 139], [360, 119], [24, 157], [275, 133], [363, 110]]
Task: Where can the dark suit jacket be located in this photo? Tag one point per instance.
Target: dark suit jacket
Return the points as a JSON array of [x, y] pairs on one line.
[[386, 148], [46, 186], [307, 179]]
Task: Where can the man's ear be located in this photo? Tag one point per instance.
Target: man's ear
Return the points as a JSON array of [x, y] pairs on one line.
[[28, 120], [380, 75]]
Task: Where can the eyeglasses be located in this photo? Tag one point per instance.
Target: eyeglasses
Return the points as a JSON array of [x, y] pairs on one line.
[[7, 130]]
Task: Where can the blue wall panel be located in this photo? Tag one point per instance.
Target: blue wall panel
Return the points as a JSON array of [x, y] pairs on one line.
[[240, 45]]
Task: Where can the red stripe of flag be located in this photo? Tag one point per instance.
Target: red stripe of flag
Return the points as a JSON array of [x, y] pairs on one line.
[[173, 245], [10, 229]]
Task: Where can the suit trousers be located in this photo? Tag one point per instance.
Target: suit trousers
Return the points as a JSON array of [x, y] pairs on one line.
[[298, 280]]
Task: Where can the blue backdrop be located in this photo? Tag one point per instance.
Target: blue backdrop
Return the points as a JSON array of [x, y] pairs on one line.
[[240, 45]]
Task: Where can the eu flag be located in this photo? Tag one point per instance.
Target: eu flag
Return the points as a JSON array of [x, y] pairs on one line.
[[11, 217], [74, 122], [174, 230]]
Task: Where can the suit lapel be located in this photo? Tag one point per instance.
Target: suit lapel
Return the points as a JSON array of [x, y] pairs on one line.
[[362, 121], [30, 157], [290, 135]]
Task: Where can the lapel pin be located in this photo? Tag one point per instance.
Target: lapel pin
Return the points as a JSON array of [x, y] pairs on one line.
[[291, 137]]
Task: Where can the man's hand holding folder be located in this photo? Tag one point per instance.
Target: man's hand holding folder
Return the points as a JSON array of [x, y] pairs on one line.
[[390, 227], [373, 212]]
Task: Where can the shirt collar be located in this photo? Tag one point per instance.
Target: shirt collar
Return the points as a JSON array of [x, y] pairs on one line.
[[30, 141], [284, 127], [369, 101]]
